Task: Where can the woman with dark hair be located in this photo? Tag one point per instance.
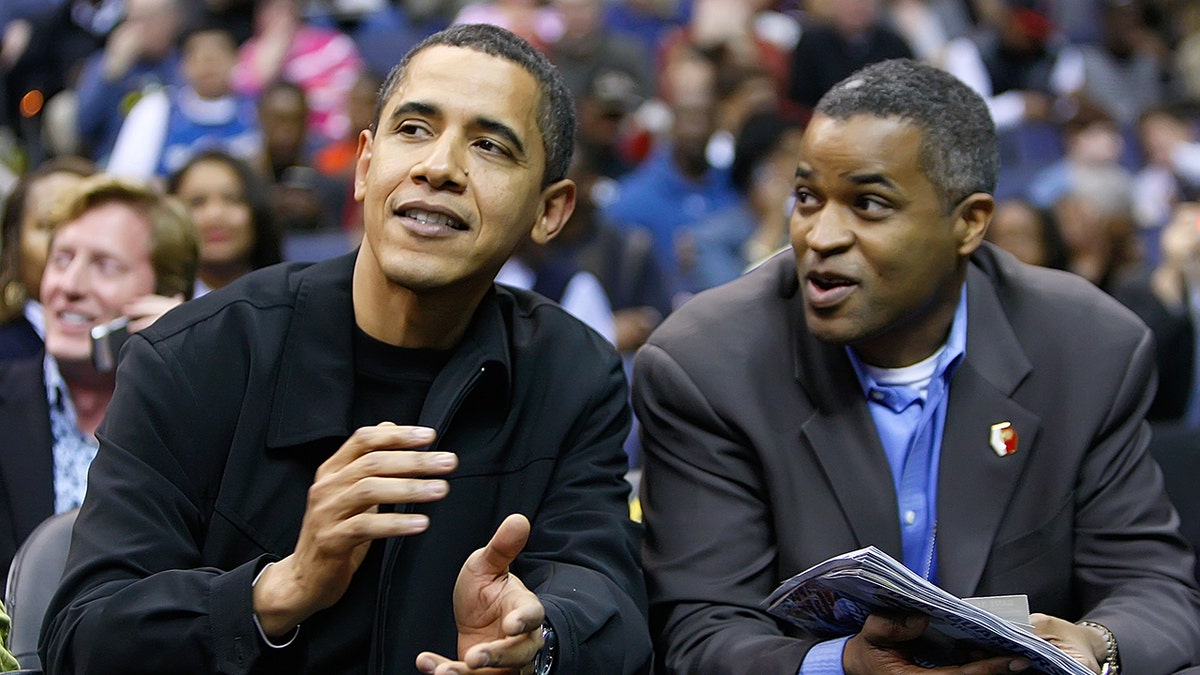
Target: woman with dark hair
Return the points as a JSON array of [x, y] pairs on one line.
[[24, 242], [229, 206]]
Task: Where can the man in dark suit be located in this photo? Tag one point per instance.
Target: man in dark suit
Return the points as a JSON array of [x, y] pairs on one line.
[[382, 462], [896, 382]]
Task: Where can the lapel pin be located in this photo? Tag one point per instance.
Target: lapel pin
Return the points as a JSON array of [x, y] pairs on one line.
[[1003, 439]]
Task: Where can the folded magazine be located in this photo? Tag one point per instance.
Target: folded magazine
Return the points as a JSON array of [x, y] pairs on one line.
[[832, 599]]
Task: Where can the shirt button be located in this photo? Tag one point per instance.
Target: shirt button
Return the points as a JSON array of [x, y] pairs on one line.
[[910, 517], [877, 395]]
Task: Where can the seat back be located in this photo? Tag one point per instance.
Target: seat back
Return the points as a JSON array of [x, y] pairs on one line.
[[34, 576]]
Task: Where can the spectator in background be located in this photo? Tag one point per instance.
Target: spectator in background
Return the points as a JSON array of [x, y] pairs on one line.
[[621, 258], [1095, 219], [232, 213], [559, 278], [1124, 73], [605, 129], [675, 186], [1009, 63], [1027, 232], [1167, 298], [42, 57], [24, 241], [141, 55], [302, 198], [855, 36], [7, 662], [323, 62], [541, 26], [335, 161], [116, 250], [1171, 173], [588, 46], [647, 20], [168, 126], [724, 244], [1091, 138]]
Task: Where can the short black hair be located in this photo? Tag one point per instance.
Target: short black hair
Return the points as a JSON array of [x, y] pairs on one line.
[[959, 149], [556, 109]]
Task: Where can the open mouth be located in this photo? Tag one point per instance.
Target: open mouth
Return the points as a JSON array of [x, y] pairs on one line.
[[827, 290], [433, 219]]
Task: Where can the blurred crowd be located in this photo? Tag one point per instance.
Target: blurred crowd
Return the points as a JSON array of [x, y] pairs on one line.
[[689, 112]]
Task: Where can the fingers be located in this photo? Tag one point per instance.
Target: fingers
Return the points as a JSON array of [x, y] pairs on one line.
[[506, 544], [888, 630], [146, 309], [514, 652], [998, 665], [388, 436], [511, 652]]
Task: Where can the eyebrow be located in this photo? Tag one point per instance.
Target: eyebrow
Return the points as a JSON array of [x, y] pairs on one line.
[[488, 124], [871, 179]]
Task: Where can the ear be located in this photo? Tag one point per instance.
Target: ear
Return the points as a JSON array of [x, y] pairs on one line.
[[362, 162], [558, 203], [974, 214]]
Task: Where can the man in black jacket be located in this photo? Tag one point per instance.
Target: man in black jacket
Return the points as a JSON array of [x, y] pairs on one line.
[[296, 469]]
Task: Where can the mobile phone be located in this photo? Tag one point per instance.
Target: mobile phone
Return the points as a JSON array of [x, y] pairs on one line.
[[107, 339]]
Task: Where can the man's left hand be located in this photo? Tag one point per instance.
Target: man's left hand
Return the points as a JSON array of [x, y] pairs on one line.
[[1084, 644], [499, 620]]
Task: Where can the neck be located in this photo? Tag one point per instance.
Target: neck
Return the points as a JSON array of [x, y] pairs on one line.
[[399, 316], [90, 392]]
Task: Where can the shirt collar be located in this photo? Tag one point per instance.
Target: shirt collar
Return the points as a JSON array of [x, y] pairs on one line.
[[952, 354]]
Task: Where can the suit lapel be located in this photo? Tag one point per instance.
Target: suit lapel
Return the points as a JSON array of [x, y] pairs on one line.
[[27, 465], [842, 435], [975, 484]]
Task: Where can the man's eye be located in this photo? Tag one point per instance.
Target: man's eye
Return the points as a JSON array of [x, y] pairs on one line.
[[411, 129], [804, 197], [873, 205], [490, 146]]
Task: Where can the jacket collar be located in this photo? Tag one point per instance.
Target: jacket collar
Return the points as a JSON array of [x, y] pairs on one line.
[[314, 388]]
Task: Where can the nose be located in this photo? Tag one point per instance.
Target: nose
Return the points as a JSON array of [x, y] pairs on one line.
[[824, 232], [443, 166]]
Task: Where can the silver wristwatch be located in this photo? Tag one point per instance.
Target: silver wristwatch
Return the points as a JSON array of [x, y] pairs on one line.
[[543, 663], [1112, 659]]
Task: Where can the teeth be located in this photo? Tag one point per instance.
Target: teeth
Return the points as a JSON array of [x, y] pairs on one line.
[[72, 317], [430, 218]]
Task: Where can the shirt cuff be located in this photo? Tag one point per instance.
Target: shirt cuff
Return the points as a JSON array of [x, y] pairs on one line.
[[825, 658], [291, 636]]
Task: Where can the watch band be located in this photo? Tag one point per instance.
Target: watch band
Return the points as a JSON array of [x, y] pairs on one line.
[[1112, 658], [543, 662]]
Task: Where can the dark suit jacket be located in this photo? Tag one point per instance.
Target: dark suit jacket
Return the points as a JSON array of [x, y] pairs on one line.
[[223, 411], [26, 455], [762, 459]]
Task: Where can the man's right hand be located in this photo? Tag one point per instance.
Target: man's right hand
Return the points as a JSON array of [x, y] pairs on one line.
[[879, 649], [377, 465]]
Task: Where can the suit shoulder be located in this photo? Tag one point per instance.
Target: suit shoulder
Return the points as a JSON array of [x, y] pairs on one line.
[[1054, 303], [742, 311]]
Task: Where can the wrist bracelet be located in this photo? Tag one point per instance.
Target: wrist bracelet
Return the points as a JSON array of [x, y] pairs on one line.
[[1112, 660]]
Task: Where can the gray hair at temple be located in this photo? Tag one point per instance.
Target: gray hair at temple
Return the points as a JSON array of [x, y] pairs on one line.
[[959, 150], [556, 107]]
